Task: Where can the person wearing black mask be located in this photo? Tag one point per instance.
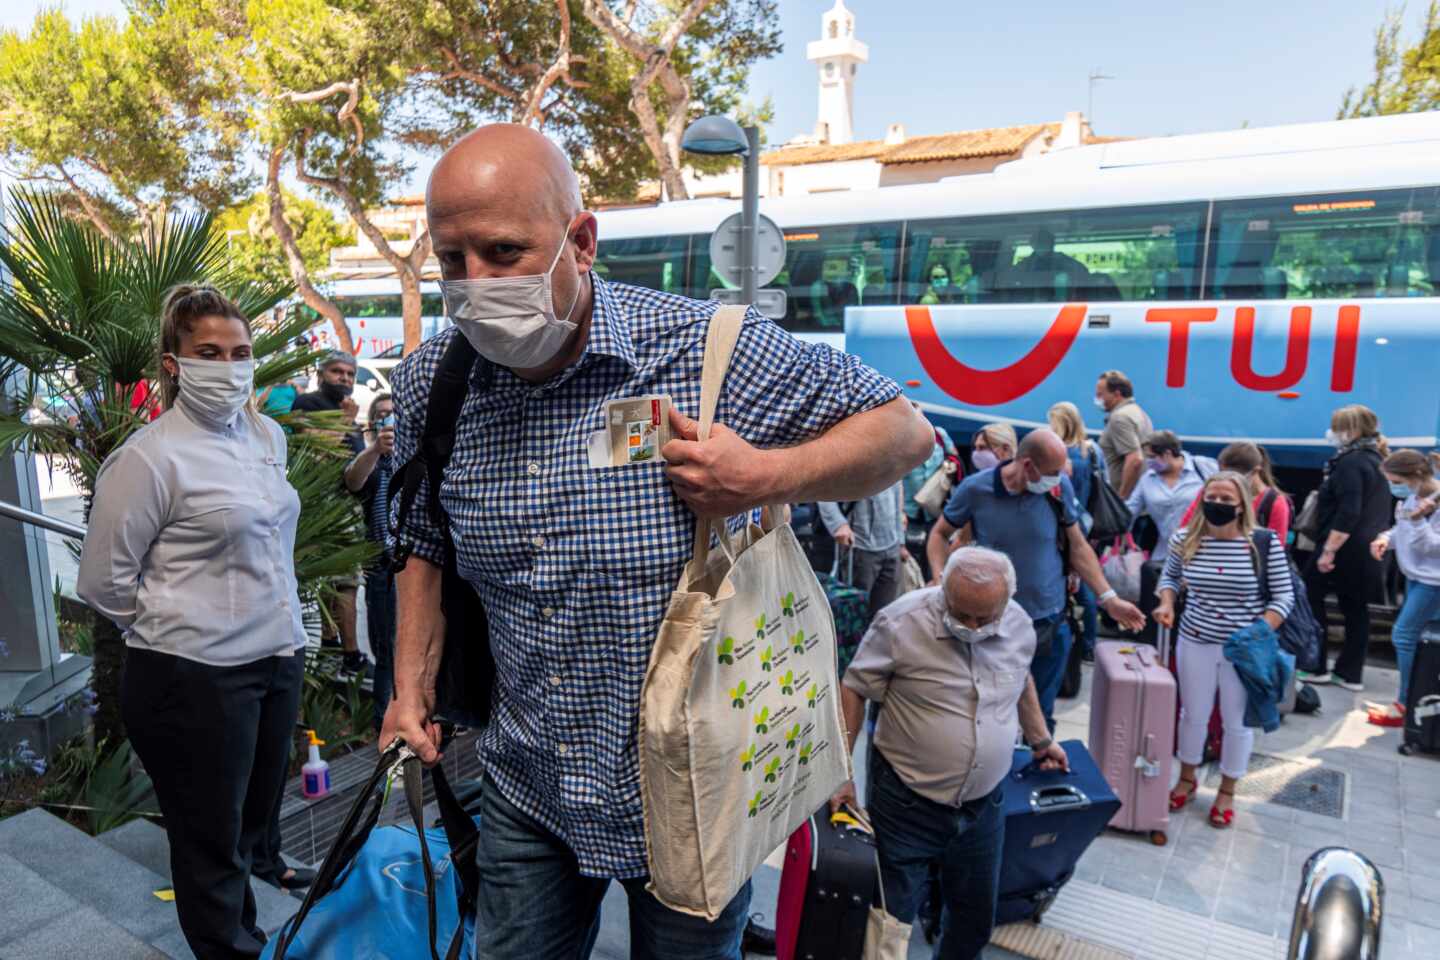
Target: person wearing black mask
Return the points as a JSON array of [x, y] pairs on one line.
[[337, 380]]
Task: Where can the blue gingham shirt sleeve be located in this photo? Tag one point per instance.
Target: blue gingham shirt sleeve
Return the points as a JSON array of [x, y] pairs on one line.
[[782, 391], [411, 383]]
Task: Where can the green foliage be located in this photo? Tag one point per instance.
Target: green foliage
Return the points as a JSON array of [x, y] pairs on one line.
[[1407, 78], [102, 784], [337, 709], [155, 144], [256, 251]]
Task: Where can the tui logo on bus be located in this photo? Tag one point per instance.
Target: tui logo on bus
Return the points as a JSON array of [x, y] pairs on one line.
[[986, 388]]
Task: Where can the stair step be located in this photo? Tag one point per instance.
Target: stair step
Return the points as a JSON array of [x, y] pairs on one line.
[[148, 845], [42, 922]]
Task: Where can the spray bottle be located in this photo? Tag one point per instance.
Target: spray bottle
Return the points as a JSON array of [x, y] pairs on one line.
[[316, 772]]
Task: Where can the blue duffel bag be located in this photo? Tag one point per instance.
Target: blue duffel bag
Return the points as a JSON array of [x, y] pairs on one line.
[[1051, 818], [396, 892]]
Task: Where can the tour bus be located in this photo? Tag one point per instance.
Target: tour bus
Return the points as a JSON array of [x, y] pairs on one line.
[[1248, 283], [372, 310]]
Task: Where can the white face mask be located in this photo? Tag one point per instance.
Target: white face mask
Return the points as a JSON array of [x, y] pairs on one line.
[[984, 459], [511, 321], [1099, 401], [1045, 484], [966, 634], [1335, 439], [215, 390]]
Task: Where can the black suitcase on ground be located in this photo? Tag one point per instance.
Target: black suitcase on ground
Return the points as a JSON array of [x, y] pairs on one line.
[[1149, 580], [826, 889], [1051, 818], [1422, 712]]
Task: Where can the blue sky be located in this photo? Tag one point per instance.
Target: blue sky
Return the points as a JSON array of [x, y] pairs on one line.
[[938, 65]]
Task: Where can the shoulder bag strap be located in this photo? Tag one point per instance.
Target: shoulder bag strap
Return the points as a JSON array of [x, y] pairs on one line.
[[720, 340], [437, 440], [1260, 539]]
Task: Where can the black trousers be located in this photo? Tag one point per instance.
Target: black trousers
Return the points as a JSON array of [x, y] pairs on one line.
[[1353, 583], [216, 743]]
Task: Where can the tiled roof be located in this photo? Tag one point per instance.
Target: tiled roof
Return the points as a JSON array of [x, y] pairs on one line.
[[961, 145]]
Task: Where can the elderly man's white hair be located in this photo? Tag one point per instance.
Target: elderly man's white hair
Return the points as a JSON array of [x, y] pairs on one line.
[[981, 565]]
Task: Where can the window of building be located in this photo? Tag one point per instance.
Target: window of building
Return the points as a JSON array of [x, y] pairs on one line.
[[654, 262], [1383, 243], [1136, 253], [826, 270]]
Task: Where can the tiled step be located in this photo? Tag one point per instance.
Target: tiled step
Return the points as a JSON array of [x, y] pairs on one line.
[[42, 922], [146, 844]]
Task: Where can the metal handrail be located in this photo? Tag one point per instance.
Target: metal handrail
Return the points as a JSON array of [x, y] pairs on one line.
[[71, 530], [1339, 908]]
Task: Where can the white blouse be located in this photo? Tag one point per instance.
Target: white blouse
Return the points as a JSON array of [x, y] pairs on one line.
[[191, 542]]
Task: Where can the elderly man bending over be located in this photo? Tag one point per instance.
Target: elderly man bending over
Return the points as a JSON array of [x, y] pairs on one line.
[[950, 667]]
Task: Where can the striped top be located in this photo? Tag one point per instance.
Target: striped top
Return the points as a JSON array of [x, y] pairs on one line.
[[1222, 592]]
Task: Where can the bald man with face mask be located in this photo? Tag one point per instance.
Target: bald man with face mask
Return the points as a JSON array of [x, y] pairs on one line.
[[575, 564]]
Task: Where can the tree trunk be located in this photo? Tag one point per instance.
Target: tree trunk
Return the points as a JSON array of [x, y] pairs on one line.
[[105, 673], [410, 310], [298, 271]]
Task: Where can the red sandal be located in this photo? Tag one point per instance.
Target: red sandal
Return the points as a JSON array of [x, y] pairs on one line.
[[1222, 819], [1178, 801]]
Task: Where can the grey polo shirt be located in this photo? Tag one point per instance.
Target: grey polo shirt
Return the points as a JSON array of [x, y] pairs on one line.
[[1126, 428], [950, 719]]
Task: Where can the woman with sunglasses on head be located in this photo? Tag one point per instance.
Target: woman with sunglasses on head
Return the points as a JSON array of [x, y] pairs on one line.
[[1218, 563], [190, 551]]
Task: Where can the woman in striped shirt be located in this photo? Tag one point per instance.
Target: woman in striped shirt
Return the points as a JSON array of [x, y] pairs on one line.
[[1216, 560]]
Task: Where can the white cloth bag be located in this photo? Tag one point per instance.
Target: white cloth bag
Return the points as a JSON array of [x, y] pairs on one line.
[[741, 737]]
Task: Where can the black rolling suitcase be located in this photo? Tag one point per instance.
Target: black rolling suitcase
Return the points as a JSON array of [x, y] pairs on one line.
[[1422, 712], [826, 889]]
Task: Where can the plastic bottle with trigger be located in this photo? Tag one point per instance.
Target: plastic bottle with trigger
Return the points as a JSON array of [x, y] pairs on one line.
[[316, 772]]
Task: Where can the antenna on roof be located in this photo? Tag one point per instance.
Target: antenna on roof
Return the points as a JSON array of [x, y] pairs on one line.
[[1095, 77]]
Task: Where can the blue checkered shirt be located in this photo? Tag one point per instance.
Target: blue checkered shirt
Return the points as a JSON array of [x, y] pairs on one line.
[[576, 565]]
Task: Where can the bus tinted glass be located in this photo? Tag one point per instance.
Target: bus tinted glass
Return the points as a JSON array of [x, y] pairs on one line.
[[1135, 253], [826, 270], [362, 306], [654, 262], [1384, 243]]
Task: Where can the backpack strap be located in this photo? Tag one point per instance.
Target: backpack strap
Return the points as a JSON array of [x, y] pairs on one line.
[[437, 443], [1260, 540], [1062, 538], [1267, 504]]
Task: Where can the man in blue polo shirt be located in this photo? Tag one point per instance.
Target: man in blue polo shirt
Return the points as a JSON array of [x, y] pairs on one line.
[[1014, 508]]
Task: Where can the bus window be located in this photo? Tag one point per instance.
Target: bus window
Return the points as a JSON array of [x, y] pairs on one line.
[[1374, 244], [366, 306], [654, 262], [1130, 253], [826, 270]]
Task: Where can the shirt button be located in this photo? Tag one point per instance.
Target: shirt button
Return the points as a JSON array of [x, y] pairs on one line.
[[533, 469], [547, 612], [562, 749], [555, 681], [538, 542]]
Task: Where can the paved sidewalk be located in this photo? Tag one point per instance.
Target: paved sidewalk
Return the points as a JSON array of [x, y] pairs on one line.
[[1228, 894]]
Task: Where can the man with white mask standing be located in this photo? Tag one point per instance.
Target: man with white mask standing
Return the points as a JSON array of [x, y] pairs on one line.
[[1024, 509], [573, 560], [949, 666]]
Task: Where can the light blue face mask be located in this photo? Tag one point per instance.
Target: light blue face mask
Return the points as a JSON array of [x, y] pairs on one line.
[[939, 283], [1401, 490]]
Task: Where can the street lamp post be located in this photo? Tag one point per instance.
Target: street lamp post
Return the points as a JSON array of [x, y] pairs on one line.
[[720, 136]]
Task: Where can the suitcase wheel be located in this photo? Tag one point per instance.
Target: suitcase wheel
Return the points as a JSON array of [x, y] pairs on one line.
[[1159, 838]]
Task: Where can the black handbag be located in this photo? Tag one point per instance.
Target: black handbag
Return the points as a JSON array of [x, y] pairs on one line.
[[1108, 513]]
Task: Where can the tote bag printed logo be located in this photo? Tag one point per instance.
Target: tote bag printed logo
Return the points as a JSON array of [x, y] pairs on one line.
[[728, 767]]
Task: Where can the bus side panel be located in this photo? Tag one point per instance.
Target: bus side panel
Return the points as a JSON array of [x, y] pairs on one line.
[[1212, 371]]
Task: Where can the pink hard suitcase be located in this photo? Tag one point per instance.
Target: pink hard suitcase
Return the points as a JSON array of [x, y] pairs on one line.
[[1132, 732]]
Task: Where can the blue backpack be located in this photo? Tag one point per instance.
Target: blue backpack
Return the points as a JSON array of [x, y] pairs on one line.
[[1300, 635]]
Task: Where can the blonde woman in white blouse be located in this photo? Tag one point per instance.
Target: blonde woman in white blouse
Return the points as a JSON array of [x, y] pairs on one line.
[[190, 551]]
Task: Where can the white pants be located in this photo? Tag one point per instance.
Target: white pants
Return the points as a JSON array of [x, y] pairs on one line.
[[1203, 668]]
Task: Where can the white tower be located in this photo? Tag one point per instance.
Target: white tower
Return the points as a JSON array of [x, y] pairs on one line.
[[837, 54]]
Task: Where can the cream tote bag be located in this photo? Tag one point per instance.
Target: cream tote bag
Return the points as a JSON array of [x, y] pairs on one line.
[[740, 731]]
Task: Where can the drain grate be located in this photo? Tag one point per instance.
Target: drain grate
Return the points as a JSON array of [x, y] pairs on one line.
[[1290, 783]]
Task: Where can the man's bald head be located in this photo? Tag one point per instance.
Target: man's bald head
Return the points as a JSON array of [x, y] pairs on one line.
[[978, 584], [1045, 449], [505, 158]]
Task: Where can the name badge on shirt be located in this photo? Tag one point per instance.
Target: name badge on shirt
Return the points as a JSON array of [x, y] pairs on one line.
[[636, 428]]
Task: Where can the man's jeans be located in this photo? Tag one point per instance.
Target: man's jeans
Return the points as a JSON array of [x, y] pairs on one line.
[[534, 903], [911, 831], [380, 625], [878, 573], [1048, 668]]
